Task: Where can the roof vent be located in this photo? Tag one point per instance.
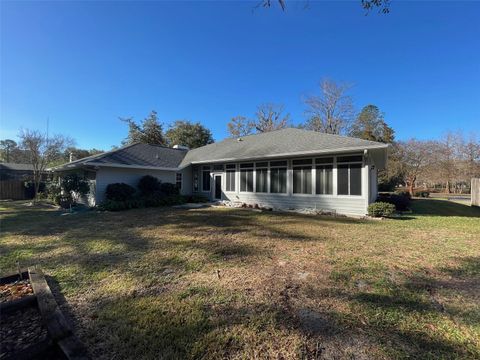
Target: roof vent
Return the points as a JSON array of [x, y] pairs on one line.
[[181, 147], [239, 139]]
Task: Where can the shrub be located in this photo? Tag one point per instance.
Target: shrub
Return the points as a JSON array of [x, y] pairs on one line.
[[401, 202], [169, 189], [119, 192], [197, 199], [424, 194], [30, 189], [403, 193], [381, 209], [73, 183], [148, 185], [53, 191]]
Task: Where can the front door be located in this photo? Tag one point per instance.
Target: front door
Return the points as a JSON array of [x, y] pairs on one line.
[[218, 187]]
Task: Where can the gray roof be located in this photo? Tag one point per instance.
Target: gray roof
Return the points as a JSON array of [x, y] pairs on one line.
[[290, 141], [136, 155], [16, 167], [279, 143]]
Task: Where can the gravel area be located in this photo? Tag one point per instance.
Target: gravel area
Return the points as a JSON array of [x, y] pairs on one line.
[[19, 330]]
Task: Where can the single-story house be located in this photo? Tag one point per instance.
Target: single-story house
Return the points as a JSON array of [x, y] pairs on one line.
[[288, 168]]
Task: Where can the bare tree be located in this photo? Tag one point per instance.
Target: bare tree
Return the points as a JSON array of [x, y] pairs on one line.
[[240, 126], [383, 6], [414, 157], [43, 150], [270, 117], [332, 111]]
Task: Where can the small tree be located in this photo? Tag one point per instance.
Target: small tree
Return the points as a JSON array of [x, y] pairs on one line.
[[6, 148], [74, 187], [414, 157], [42, 150]]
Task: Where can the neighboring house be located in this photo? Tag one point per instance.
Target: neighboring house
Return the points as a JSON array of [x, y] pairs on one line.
[[11, 171], [288, 168]]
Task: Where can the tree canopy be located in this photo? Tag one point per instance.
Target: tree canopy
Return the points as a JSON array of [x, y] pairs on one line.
[[370, 125], [331, 111], [186, 133], [150, 131]]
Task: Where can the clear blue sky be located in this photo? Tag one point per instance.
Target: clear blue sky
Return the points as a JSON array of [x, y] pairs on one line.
[[84, 64]]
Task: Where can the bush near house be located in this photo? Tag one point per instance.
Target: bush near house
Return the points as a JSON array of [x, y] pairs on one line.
[[119, 192], [381, 209], [400, 199], [152, 193], [148, 185], [423, 194]]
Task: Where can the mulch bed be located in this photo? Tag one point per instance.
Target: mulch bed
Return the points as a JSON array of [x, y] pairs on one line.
[[32, 326]]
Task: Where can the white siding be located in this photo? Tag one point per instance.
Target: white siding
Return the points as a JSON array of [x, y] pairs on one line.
[[348, 205], [342, 204], [110, 175]]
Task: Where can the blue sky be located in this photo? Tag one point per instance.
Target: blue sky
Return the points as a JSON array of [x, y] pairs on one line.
[[84, 64]]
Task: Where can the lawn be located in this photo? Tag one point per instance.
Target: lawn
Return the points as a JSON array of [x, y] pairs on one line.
[[234, 283]]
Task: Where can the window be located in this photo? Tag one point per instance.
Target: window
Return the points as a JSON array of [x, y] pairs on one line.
[[178, 180], [349, 179], [206, 178], [195, 181], [246, 177], [261, 180], [354, 158], [278, 177], [324, 179], [230, 181], [231, 166], [218, 167], [302, 179]]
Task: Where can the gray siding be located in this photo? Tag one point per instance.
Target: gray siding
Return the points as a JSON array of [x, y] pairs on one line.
[[342, 204], [110, 175]]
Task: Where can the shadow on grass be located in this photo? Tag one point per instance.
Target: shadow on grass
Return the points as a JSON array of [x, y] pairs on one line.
[[435, 207]]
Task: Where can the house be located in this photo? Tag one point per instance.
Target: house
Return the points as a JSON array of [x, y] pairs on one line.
[[288, 168], [11, 171]]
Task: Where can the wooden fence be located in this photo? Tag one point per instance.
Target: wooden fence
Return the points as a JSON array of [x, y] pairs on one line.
[[12, 190], [475, 192]]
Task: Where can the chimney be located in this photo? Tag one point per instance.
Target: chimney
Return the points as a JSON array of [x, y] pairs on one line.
[[181, 147], [70, 157]]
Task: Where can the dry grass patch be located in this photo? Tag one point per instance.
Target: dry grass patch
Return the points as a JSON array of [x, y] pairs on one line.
[[238, 284]]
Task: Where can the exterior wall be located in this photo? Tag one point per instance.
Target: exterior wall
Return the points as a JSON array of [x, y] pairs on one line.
[[110, 175], [344, 204]]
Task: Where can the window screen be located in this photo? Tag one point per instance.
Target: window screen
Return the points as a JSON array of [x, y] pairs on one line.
[[206, 180], [278, 180], [302, 180], [246, 180], [261, 184], [324, 180], [230, 180]]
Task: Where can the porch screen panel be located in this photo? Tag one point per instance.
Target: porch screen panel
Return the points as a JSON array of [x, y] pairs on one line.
[[355, 179], [246, 180], [342, 180], [261, 183]]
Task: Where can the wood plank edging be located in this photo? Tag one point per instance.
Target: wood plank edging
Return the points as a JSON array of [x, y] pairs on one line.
[[58, 328]]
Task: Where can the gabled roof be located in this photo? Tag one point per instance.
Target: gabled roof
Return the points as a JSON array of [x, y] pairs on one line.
[[16, 167], [135, 155], [284, 142], [274, 144]]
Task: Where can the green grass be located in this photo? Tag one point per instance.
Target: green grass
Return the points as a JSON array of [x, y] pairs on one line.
[[232, 283]]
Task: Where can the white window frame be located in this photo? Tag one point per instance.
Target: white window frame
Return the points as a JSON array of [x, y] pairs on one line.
[[362, 166]]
